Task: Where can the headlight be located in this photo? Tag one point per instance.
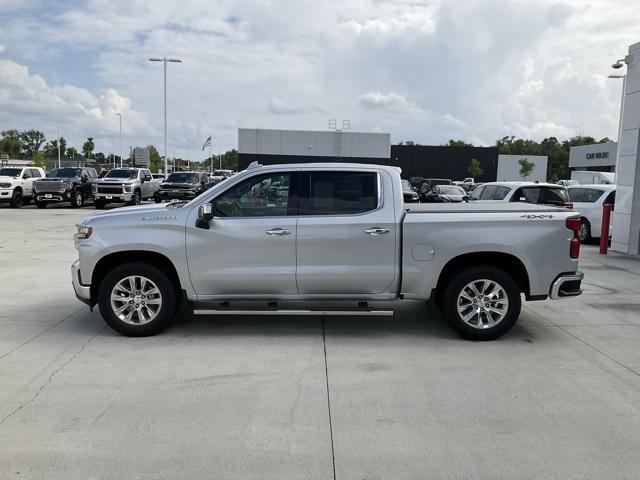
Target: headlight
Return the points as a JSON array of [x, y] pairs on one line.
[[82, 232], [66, 185], [127, 188], [5, 185], [94, 188]]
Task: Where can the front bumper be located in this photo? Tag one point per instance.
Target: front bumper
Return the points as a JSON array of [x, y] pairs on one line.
[[176, 194], [113, 197], [566, 285], [6, 194], [53, 196], [83, 292]]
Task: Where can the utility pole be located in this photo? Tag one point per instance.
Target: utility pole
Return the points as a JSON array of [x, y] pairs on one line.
[[120, 141], [58, 142]]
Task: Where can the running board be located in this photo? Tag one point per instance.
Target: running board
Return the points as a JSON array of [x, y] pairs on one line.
[[360, 312]]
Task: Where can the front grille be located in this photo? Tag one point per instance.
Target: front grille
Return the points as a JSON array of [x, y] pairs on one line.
[[109, 188], [55, 187]]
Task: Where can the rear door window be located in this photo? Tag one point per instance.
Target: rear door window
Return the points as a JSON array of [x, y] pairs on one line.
[[475, 195], [339, 193], [489, 192], [585, 195], [501, 193]]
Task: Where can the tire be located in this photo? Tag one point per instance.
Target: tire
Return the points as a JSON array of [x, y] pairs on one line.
[[136, 198], [145, 319], [458, 301], [77, 201], [99, 204], [41, 204], [157, 199], [585, 231], [17, 200]]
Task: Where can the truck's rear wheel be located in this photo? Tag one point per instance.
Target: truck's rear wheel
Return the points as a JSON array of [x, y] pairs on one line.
[[137, 300], [482, 303]]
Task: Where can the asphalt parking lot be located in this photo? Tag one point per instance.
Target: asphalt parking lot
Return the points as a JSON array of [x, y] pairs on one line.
[[302, 398]]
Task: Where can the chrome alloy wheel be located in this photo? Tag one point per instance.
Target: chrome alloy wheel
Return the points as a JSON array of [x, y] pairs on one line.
[[482, 304], [136, 300], [584, 232]]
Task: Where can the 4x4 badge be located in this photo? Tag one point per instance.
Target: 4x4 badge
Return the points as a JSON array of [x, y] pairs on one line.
[[536, 216]]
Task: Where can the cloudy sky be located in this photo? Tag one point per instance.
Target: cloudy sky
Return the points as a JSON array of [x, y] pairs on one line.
[[421, 70]]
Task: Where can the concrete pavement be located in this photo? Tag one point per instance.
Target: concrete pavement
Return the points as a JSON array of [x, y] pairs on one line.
[[249, 397]]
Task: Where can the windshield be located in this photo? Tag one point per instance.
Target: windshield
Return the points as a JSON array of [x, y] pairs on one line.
[[65, 172], [220, 173], [450, 190], [183, 177], [10, 172], [122, 173]]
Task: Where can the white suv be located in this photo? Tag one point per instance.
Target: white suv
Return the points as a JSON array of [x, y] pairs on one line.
[[588, 200], [16, 184], [527, 192]]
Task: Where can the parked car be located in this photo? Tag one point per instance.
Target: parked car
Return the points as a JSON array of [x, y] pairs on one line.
[[65, 185], [589, 200], [527, 192], [342, 232], [428, 184], [454, 193], [219, 175], [408, 193], [16, 184], [416, 181], [182, 186], [124, 185]]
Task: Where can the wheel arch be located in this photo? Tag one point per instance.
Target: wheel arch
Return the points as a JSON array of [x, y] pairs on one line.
[[506, 262], [115, 259]]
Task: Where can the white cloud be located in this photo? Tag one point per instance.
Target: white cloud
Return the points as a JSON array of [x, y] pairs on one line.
[[426, 71], [1, 48], [27, 101]]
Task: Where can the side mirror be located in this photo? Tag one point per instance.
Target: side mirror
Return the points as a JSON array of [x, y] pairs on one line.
[[205, 215], [25, 176], [84, 179]]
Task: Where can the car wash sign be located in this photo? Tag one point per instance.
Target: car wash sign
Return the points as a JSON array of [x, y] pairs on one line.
[[142, 157]]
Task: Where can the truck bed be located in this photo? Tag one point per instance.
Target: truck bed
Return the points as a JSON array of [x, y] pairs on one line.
[[480, 207]]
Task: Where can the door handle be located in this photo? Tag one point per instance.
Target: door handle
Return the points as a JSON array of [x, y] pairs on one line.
[[278, 231], [376, 231]]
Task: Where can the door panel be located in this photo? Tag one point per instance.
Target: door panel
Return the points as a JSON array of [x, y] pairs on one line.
[[349, 253], [250, 247]]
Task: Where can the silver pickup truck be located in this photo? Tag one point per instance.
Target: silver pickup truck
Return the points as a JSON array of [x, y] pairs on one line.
[[124, 185], [330, 237]]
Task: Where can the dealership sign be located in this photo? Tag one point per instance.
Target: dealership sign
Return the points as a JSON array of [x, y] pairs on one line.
[[591, 156]]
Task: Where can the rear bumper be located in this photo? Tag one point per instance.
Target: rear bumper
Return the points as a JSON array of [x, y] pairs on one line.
[[566, 285], [83, 292]]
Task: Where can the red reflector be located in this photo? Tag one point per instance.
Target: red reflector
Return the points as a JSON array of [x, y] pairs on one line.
[[574, 224]]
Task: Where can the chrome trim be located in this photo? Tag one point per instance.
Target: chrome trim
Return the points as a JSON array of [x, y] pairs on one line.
[[375, 313], [561, 280], [83, 292]]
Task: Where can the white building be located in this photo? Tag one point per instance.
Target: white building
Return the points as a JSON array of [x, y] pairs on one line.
[[509, 168]]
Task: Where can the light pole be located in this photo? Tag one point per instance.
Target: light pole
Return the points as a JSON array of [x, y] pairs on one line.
[[120, 140], [164, 60], [58, 142]]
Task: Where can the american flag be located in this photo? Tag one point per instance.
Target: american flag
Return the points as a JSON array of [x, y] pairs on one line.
[[207, 143]]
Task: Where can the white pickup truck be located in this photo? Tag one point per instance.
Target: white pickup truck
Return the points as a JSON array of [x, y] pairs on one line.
[[330, 236]]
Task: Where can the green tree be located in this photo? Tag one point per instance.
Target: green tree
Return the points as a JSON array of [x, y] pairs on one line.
[[32, 140], [11, 143], [72, 152], [229, 160], [51, 149], [87, 147], [474, 169], [526, 167], [410, 143], [38, 160], [155, 161], [457, 143]]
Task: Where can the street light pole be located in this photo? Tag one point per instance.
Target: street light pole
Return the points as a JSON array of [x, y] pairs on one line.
[[164, 60], [120, 140], [58, 142]]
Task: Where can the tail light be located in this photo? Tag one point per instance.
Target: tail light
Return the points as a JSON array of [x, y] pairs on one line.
[[574, 224]]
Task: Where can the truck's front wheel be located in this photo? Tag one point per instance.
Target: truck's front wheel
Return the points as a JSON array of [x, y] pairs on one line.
[[137, 300], [482, 303]]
